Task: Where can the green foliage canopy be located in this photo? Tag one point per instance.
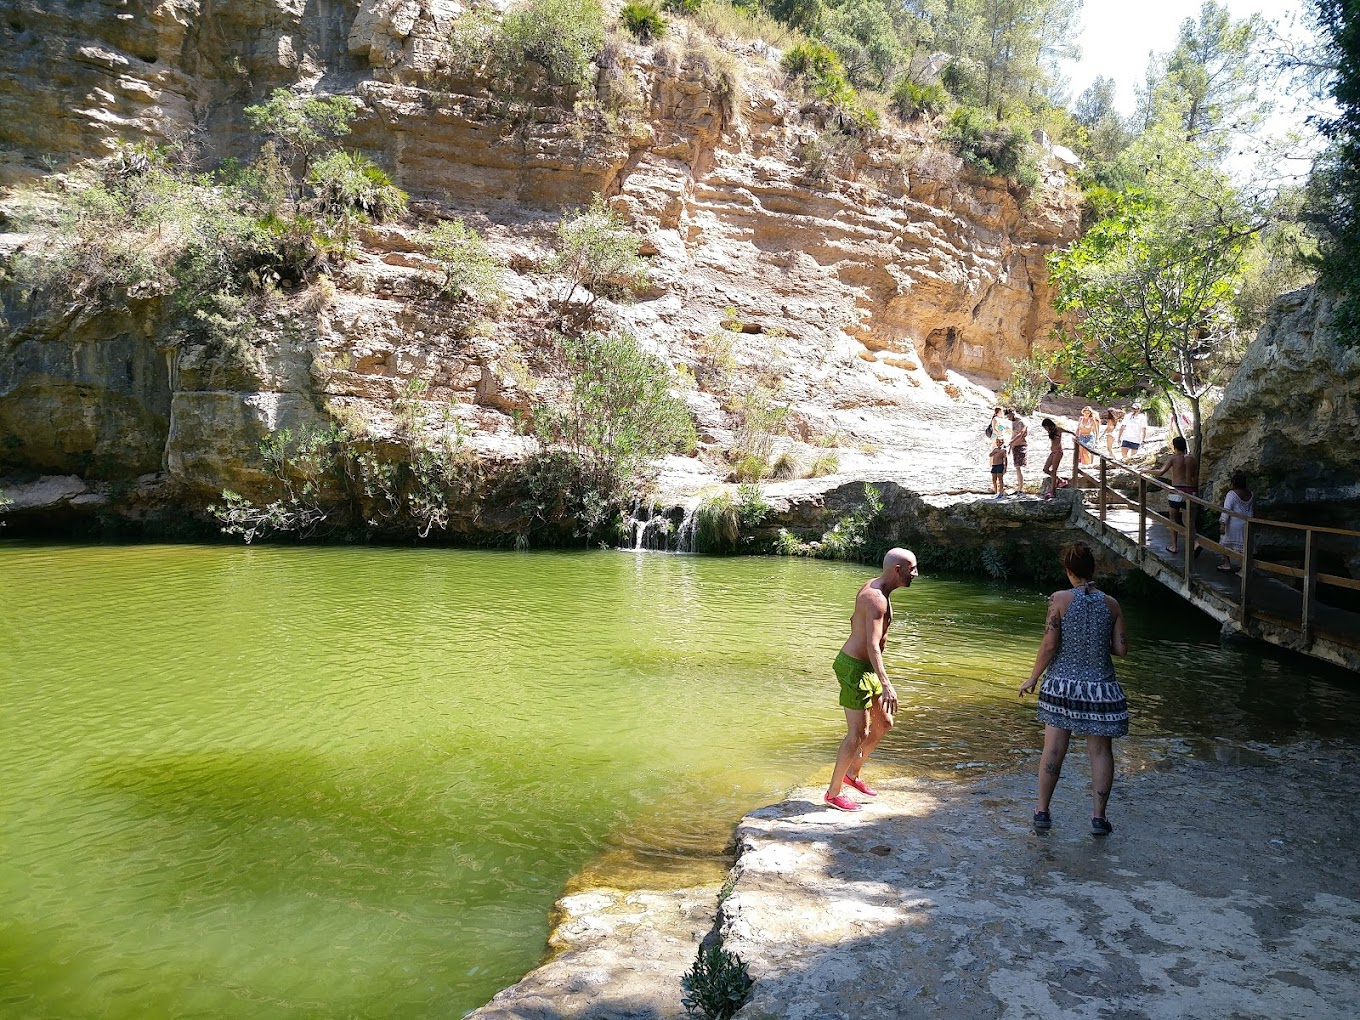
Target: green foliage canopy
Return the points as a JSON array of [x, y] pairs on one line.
[[1152, 285], [303, 126]]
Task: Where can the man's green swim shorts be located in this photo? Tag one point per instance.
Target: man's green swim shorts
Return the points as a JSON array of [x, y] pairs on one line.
[[859, 683]]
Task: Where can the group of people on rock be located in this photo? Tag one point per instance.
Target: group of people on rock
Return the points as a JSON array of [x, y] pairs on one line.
[[1079, 692], [1113, 425], [1008, 435]]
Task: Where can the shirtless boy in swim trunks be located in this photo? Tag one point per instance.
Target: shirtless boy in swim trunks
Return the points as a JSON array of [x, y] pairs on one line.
[[1184, 470], [866, 693]]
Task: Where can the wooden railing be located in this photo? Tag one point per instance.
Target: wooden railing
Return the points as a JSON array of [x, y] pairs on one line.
[[1247, 563]]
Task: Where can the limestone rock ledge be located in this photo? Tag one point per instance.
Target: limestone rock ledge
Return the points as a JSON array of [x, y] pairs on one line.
[[1290, 418], [939, 901]]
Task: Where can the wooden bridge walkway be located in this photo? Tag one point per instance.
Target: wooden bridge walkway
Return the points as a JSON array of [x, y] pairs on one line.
[[1284, 599]]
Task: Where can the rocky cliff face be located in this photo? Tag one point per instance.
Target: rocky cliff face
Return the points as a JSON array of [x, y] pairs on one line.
[[1290, 418], [878, 289]]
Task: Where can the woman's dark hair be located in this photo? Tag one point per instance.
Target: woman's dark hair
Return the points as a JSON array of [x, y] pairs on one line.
[[1078, 560], [1239, 480], [1049, 427]]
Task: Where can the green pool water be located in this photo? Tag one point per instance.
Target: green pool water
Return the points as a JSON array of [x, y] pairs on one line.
[[338, 782]]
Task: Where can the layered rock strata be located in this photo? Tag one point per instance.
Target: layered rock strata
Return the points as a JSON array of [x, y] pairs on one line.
[[864, 294]]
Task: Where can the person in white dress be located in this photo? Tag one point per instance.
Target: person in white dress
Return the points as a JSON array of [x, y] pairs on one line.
[[1239, 504]]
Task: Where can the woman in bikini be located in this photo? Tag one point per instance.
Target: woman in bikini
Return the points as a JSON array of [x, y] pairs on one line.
[[1055, 452], [1087, 429]]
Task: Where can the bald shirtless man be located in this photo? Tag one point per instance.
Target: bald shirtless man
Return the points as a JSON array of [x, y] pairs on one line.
[[866, 693]]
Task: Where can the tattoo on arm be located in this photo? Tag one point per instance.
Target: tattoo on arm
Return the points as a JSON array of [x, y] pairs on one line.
[[1054, 621]]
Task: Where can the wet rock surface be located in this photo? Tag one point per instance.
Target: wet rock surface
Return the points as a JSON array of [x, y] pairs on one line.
[[1227, 889]]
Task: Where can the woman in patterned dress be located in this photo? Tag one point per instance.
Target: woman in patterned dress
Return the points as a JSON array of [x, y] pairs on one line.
[[1080, 693]]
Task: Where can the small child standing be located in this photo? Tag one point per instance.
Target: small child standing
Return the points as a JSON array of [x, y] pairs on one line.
[[998, 468]]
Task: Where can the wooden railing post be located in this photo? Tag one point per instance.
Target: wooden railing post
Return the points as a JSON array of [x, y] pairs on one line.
[[1246, 569], [1142, 517], [1190, 513], [1104, 472], [1187, 548], [1076, 461], [1309, 586]]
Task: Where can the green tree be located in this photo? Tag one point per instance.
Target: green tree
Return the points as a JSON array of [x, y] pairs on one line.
[[863, 35], [1215, 72], [1153, 285], [303, 126], [1334, 188], [617, 417], [470, 270]]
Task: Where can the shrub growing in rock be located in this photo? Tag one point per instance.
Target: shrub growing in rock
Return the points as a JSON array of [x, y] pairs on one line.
[[1030, 380], [643, 21], [991, 147], [616, 416], [912, 100], [347, 184], [717, 985], [470, 270], [720, 520], [597, 255], [561, 38]]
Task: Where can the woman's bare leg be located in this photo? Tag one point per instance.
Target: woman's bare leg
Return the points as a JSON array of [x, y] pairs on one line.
[[1051, 762], [1101, 750]]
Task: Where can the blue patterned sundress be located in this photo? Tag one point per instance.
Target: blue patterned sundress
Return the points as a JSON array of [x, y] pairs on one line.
[[1079, 692]]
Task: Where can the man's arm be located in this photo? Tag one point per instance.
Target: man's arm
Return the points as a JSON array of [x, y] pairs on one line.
[[877, 614]]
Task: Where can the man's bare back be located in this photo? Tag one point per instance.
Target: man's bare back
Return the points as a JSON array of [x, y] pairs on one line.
[[1184, 469]]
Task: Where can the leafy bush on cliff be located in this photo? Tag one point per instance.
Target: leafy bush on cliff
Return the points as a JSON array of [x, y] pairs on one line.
[[822, 71], [343, 477], [303, 127], [597, 255], [1031, 379], [643, 21], [347, 183], [557, 39], [615, 417], [720, 520], [991, 147], [911, 100], [470, 270], [850, 538]]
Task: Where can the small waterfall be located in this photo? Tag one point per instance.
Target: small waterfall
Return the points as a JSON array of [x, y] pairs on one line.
[[655, 528], [638, 521], [684, 535]]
